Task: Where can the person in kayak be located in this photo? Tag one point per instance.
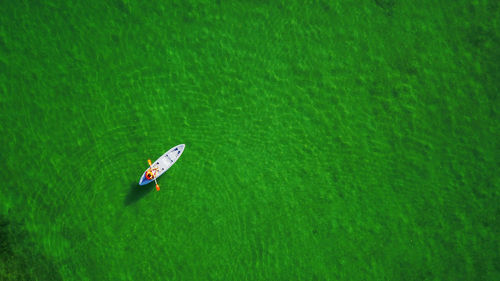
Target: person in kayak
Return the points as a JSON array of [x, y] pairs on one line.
[[150, 175]]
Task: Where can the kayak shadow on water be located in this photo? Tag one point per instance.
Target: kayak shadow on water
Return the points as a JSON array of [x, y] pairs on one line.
[[137, 192]]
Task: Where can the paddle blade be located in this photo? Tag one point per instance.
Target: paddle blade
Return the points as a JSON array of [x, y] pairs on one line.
[[149, 162], [157, 188]]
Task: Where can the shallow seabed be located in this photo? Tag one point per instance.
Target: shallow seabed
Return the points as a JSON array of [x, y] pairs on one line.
[[325, 140]]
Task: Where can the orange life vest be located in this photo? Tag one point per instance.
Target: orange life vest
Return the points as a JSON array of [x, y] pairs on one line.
[[149, 175]]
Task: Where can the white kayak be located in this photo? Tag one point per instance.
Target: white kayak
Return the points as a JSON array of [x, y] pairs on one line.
[[162, 164]]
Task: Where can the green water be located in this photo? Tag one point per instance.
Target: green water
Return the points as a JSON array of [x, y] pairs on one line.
[[325, 140]]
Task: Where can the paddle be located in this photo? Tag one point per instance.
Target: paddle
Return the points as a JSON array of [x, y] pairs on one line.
[[150, 167]]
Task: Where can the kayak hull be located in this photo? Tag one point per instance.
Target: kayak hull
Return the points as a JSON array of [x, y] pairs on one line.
[[163, 163]]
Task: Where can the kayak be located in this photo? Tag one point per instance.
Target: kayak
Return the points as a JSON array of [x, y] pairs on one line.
[[162, 164]]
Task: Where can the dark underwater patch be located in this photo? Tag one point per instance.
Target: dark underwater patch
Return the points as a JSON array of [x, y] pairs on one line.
[[123, 7], [386, 5], [22, 263]]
